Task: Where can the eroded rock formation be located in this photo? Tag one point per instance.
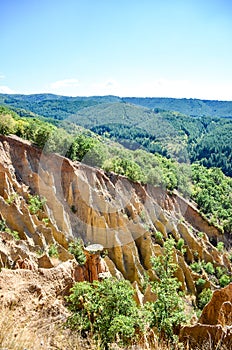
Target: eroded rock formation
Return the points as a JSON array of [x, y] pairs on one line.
[[214, 328], [101, 208]]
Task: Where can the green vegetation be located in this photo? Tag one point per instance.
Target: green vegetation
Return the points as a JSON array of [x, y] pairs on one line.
[[180, 245], [4, 228], [77, 249], [168, 310], [209, 268], [53, 251], [106, 310], [224, 280], [204, 297], [11, 199], [196, 267], [209, 188], [220, 246], [218, 276], [200, 282], [35, 203], [212, 191]]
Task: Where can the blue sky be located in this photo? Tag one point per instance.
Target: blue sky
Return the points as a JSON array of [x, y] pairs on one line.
[[120, 47]]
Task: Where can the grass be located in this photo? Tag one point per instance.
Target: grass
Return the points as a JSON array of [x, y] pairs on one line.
[[46, 334], [49, 335]]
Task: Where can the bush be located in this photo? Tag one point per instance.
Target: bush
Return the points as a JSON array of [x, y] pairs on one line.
[[200, 234], [35, 203], [200, 282], [224, 280], [168, 311], [106, 311], [53, 251], [220, 246], [2, 225], [204, 297], [180, 246], [209, 268], [14, 233], [219, 271], [126, 167], [77, 249], [4, 228], [196, 267], [159, 236]]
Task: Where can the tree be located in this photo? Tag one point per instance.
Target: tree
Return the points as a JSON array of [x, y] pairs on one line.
[[168, 310], [105, 310], [7, 124]]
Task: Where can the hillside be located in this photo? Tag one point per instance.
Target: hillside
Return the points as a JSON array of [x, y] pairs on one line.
[[131, 220], [192, 107], [209, 188], [165, 126], [62, 106]]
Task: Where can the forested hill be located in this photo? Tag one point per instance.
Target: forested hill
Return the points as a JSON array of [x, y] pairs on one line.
[[158, 126], [191, 107], [61, 107]]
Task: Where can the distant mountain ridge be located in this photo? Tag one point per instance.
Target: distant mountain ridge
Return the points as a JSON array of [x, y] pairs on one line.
[[61, 107], [192, 107]]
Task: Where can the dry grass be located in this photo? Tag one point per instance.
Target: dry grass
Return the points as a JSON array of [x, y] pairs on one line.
[[45, 334], [48, 335]]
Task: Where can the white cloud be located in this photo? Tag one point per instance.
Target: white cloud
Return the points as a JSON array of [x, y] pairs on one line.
[[65, 83], [6, 90], [161, 87], [109, 87]]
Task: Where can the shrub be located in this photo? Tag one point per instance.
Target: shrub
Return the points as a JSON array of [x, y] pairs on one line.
[[159, 236], [200, 234], [2, 225], [77, 249], [219, 271], [168, 311], [200, 282], [11, 198], [224, 280], [35, 203], [53, 251], [209, 268], [106, 310], [204, 297], [220, 246], [196, 266], [14, 233], [180, 246]]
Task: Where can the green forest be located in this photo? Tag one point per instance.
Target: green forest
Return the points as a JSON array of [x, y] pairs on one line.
[[188, 130]]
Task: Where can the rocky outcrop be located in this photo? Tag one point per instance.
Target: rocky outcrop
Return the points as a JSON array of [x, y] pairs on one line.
[[126, 218], [214, 327], [218, 310]]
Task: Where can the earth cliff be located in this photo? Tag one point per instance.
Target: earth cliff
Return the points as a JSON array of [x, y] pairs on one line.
[[128, 219]]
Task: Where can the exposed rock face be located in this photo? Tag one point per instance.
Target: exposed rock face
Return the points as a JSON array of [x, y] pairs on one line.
[[218, 310], [215, 324], [105, 209]]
